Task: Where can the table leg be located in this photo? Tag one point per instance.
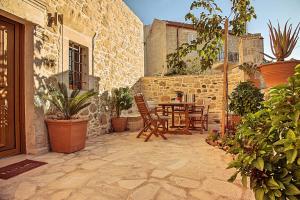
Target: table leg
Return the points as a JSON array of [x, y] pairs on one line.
[[173, 115], [187, 120]]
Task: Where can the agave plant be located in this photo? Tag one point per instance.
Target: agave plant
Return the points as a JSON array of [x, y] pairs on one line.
[[68, 105], [283, 41]]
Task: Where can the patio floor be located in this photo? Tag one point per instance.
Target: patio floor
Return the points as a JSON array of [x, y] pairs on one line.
[[119, 166]]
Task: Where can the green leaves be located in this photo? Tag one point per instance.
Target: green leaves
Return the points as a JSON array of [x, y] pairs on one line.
[[283, 41], [208, 20], [121, 100], [259, 194], [259, 164], [245, 98], [267, 144], [67, 105]]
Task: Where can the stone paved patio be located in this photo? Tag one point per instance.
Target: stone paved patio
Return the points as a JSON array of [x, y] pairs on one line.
[[119, 166]]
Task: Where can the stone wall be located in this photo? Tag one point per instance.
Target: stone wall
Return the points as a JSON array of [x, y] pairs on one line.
[[205, 87], [113, 35]]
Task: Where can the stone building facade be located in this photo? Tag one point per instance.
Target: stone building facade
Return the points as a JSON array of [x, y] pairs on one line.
[[164, 37], [107, 31]]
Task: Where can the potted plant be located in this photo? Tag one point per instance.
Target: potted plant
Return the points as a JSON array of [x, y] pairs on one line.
[[282, 45], [67, 132], [121, 100], [179, 95], [252, 72], [245, 98]]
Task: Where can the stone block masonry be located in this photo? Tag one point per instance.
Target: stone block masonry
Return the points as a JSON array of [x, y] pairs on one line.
[[112, 35], [207, 87]]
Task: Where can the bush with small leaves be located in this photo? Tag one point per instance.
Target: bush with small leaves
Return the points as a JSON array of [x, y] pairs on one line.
[[267, 145]]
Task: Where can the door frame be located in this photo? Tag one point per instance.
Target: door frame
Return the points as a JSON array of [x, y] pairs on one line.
[[18, 90]]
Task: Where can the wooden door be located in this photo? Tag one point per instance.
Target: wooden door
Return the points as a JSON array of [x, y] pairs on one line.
[[9, 87]]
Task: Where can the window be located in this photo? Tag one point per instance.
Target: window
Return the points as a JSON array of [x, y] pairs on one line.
[[191, 37], [77, 66]]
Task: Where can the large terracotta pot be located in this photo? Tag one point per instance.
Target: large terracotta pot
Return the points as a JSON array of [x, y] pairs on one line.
[[119, 124], [278, 72], [67, 136]]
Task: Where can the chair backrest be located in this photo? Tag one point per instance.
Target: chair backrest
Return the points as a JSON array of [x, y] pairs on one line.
[[142, 106]]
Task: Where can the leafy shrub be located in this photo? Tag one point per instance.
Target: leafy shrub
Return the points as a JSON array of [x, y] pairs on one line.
[[121, 100], [245, 98], [267, 144]]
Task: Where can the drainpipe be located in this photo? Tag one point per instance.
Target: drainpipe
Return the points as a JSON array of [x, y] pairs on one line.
[[93, 49]]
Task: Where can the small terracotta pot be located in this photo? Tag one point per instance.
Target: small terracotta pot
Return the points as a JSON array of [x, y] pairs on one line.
[[67, 136], [179, 99], [119, 124], [278, 72]]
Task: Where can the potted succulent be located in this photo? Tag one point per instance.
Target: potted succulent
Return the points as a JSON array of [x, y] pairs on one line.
[[67, 132], [121, 100], [283, 43], [246, 98]]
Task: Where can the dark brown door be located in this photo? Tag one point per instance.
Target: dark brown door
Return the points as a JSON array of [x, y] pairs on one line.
[[9, 87]]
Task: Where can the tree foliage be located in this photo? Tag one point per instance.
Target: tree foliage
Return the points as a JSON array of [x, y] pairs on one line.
[[267, 145], [209, 26]]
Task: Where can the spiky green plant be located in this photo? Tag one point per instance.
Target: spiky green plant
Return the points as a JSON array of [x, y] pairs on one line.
[[68, 105], [283, 41]]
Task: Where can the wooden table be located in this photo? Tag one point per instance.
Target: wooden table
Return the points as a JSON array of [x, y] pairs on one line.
[[185, 111]]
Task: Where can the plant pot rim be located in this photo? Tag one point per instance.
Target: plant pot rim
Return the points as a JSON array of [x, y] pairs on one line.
[[66, 120], [119, 117], [279, 62]]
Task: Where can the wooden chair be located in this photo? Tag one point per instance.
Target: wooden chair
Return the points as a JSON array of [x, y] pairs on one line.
[[196, 115], [152, 120]]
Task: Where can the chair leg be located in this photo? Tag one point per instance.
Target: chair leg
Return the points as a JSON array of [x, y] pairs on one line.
[[153, 131], [163, 135], [143, 130]]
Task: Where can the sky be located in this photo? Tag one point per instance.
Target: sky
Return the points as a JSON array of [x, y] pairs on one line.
[[273, 10]]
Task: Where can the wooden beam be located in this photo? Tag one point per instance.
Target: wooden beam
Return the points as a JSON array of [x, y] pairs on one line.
[[225, 81]]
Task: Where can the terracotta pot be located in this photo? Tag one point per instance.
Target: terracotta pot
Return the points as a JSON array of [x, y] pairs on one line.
[[179, 99], [67, 136], [255, 81], [278, 72], [119, 124]]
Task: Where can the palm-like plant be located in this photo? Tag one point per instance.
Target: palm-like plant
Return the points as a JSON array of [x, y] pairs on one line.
[[283, 42], [67, 105]]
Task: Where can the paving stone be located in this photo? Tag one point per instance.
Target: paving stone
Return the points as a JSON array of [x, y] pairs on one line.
[[164, 195], [119, 166], [222, 188], [72, 180], [177, 165], [185, 182], [201, 194], [131, 184], [92, 165], [174, 190], [160, 173], [146, 192], [25, 190], [64, 194]]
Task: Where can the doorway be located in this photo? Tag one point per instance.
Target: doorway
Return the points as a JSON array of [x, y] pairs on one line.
[[10, 79]]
